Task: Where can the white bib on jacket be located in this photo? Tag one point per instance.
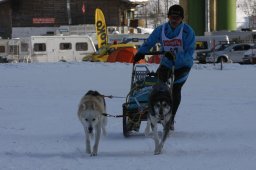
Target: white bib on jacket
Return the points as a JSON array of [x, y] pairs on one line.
[[173, 45]]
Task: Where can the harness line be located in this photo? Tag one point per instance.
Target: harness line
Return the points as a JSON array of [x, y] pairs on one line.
[[109, 115], [111, 96]]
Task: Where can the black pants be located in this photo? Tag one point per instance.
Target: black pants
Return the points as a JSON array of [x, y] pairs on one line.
[[164, 74]]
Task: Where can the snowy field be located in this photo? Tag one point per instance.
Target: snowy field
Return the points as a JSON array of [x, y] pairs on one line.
[[39, 128]]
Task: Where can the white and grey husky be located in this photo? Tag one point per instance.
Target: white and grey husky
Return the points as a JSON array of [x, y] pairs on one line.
[[160, 111], [90, 110]]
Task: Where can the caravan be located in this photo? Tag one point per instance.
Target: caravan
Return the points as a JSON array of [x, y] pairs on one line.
[[61, 48], [49, 48]]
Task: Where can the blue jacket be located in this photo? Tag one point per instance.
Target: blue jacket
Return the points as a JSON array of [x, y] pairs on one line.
[[184, 59]]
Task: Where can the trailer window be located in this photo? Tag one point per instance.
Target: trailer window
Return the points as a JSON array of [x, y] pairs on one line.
[[14, 49], [39, 47], [2, 49], [65, 46], [81, 46]]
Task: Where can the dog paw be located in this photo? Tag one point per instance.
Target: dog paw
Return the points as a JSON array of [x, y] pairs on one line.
[[93, 154], [158, 150]]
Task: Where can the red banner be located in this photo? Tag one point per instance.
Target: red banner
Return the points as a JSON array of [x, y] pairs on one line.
[[83, 8], [43, 20]]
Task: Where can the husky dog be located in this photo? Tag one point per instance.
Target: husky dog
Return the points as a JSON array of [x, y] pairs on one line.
[[90, 110], [160, 111]]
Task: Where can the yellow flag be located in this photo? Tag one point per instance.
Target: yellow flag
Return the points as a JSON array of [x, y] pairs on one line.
[[101, 28]]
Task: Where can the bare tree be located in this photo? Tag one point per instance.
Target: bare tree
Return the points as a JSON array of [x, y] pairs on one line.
[[249, 8], [155, 11]]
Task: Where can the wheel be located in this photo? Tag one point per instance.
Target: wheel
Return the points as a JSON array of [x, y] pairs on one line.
[[62, 60], [125, 122]]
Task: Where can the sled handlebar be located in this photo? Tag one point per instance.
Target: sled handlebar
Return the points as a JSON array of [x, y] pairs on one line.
[[168, 54]]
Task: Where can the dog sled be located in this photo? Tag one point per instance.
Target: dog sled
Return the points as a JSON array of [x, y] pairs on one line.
[[136, 107]]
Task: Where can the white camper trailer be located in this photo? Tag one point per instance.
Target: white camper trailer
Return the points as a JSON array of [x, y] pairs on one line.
[[18, 50], [60, 48]]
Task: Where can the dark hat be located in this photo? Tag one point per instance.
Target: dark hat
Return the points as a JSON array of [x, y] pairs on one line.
[[176, 10]]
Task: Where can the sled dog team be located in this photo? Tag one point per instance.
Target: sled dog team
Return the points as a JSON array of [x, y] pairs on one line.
[[93, 105]]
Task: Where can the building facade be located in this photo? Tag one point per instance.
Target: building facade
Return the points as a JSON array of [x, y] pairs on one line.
[[5, 20], [54, 13]]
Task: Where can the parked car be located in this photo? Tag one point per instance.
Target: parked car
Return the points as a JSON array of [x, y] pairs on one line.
[[250, 56], [201, 56], [233, 53], [205, 44]]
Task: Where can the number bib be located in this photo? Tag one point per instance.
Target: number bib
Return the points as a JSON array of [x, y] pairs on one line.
[[173, 45]]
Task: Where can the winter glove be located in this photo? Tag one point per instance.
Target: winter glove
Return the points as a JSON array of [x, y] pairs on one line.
[[170, 56], [138, 57]]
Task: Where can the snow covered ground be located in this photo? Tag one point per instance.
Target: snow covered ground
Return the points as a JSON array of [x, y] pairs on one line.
[[39, 128]]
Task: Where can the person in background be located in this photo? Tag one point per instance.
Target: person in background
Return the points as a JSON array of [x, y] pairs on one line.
[[177, 40]]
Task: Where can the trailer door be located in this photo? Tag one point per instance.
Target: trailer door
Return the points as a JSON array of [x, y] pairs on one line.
[[52, 50]]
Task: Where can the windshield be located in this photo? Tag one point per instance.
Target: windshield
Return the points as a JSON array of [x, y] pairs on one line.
[[221, 47]]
